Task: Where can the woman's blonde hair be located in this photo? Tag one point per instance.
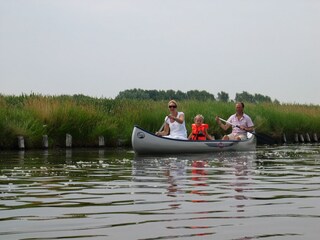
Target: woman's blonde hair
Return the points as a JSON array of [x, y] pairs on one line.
[[173, 101]]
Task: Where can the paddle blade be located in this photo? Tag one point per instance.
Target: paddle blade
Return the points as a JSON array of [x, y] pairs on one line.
[[264, 139]]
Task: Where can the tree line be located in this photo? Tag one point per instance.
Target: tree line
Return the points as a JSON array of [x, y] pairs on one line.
[[158, 95]]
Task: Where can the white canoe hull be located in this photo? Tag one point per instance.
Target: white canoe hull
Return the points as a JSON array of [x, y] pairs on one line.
[[144, 142]]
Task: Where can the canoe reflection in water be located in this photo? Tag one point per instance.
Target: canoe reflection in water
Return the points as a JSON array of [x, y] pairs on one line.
[[196, 188], [191, 174]]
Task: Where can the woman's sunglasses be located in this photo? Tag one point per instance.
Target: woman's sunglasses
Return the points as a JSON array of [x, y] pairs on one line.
[[172, 106]]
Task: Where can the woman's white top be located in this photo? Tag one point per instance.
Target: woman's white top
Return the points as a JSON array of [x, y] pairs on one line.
[[177, 130]]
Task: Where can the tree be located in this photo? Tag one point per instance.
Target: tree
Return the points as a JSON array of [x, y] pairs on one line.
[[200, 95], [260, 98], [244, 97], [159, 95], [223, 96], [133, 94]]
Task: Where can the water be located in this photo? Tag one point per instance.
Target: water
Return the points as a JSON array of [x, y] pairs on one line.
[[272, 193]]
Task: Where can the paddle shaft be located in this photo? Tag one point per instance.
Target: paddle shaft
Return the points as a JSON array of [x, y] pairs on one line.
[[160, 129], [233, 124], [164, 123]]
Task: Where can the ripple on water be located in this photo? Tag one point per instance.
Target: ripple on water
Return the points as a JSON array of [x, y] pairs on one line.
[[271, 193]]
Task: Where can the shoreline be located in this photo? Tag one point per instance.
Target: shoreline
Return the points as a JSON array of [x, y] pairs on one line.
[[94, 122]]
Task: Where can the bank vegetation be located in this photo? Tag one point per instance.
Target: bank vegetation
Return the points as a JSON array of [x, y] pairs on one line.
[[87, 118]]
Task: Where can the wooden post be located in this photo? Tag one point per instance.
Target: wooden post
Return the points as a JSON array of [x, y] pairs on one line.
[[301, 138], [308, 137], [45, 143], [20, 142], [296, 138], [284, 138], [68, 140], [315, 137], [101, 141]]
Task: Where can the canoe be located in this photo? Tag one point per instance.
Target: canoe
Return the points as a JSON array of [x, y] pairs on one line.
[[145, 142]]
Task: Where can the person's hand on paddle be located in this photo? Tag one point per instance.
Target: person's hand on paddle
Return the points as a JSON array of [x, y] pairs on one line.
[[174, 118], [223, 126], [241, 127], [218, 120]]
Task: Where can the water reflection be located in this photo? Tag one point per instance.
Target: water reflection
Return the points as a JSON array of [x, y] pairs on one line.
[[195, 187], [199, 177], [241, 166], [101, 194]]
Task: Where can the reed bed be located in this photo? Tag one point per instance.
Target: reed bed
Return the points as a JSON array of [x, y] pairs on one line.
[[86, 118]]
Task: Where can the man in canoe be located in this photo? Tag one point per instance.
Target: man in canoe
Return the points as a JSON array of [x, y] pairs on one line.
[[174, 123], [240, 122]]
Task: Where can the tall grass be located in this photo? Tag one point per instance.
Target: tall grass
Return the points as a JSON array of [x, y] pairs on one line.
[[86, 118]]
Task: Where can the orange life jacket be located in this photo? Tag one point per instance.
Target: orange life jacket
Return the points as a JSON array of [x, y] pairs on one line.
[[198, 132]]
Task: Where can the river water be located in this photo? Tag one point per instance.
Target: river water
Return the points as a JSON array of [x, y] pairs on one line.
[[271, 193]]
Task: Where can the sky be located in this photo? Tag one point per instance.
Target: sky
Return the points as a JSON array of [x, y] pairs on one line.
[[101, 47]]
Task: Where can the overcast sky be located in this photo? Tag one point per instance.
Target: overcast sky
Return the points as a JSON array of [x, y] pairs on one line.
[[101, 47]]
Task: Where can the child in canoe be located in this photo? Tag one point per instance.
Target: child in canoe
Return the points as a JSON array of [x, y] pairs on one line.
[[199, 129]]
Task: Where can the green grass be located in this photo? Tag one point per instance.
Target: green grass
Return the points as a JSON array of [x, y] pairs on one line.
[[87, 118]]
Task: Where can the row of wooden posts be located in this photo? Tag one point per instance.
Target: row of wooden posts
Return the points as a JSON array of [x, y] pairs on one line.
[[45, 141], [302, 138], [298, 138]]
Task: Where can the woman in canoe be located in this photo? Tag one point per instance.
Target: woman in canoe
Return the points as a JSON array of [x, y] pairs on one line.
[[174, 123]]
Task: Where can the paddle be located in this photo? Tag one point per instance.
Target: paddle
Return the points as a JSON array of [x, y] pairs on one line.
[[262, 138], [160, 129], [164, 123]]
